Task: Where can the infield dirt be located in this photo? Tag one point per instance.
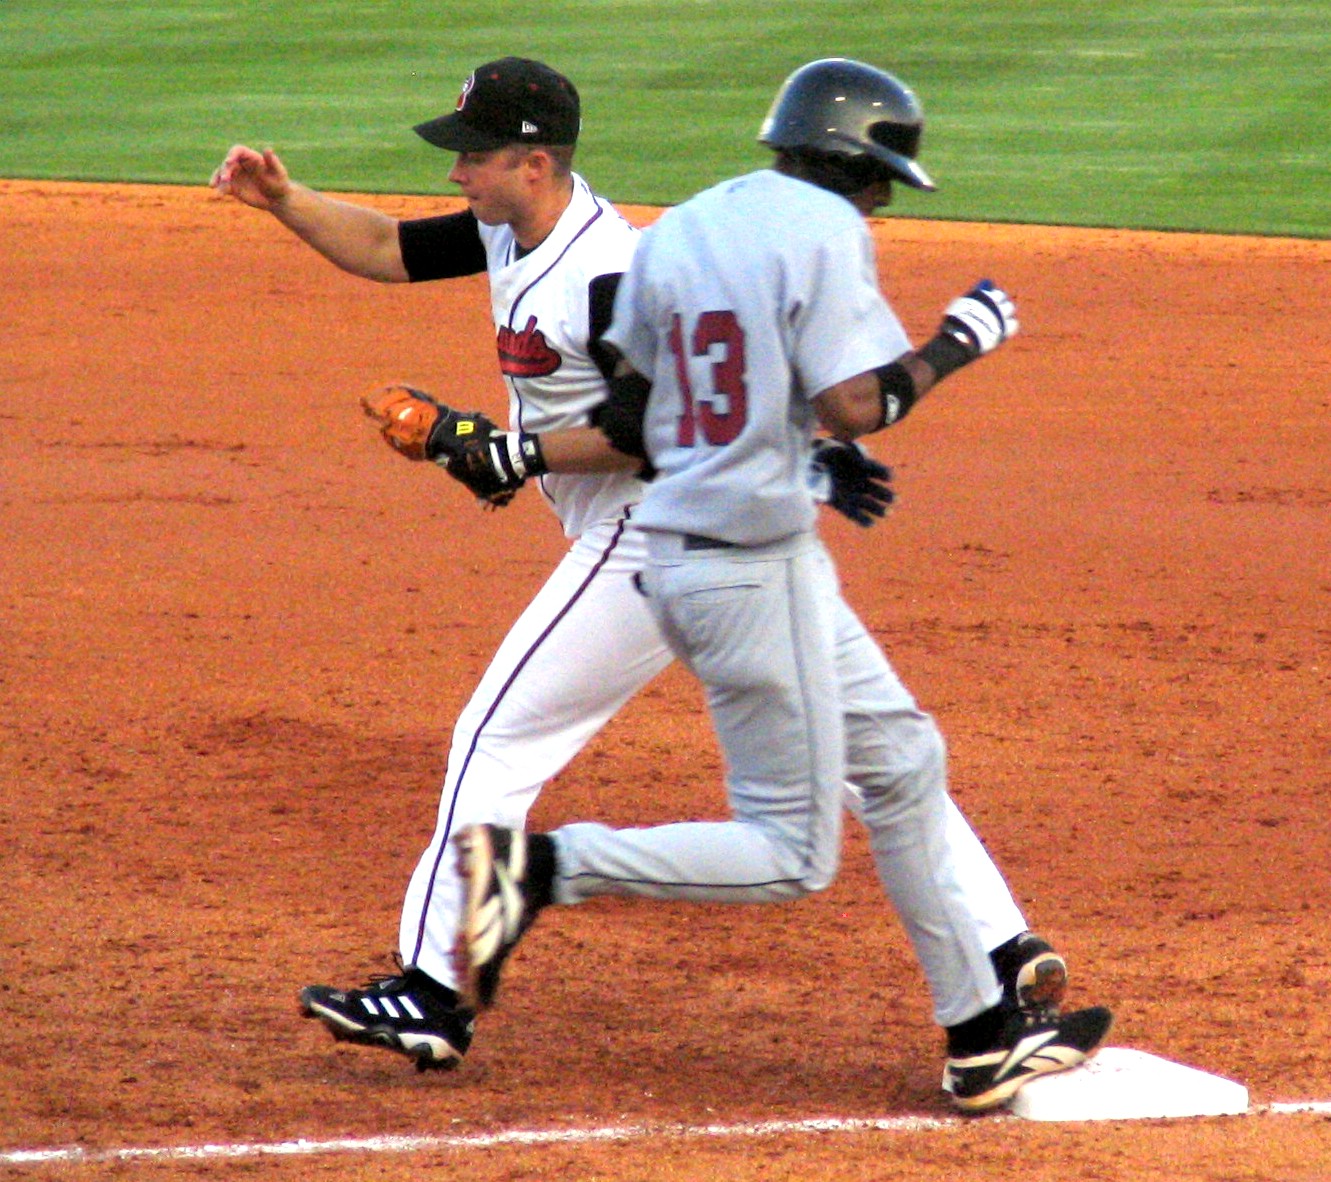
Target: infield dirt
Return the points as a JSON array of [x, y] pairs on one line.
[[236, 629]]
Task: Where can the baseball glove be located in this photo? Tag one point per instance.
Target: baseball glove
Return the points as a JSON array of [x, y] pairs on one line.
[[466, 444]]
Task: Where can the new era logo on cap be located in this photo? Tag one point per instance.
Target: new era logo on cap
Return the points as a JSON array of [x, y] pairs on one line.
[[510, 101]]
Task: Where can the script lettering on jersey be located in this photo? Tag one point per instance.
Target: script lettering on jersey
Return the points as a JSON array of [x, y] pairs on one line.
[[718, 414], [526, 354]]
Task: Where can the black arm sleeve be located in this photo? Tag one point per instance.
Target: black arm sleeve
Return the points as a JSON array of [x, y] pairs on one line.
[[443, 247], [946, 354], [619, 417], [601, 305]]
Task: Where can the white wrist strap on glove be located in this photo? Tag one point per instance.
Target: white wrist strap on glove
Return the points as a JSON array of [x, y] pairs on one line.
[[515, 455]]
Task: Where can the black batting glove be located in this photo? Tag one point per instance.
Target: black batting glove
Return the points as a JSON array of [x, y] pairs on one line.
[[846, 477]]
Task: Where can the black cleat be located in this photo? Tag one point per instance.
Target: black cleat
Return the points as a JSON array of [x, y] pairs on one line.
[[1028, 1047], [410, 1013]]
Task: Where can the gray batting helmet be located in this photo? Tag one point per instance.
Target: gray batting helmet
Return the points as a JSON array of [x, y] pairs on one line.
[[847, 108]]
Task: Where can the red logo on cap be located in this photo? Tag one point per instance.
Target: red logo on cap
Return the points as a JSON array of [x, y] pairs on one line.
[[526, 354]]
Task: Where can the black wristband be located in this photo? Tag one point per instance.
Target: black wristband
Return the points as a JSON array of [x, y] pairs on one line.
[[896, 388], [946, 354]]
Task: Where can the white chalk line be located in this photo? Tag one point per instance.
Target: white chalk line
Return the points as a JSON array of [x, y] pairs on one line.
[[533, 1137], [527, 1137]]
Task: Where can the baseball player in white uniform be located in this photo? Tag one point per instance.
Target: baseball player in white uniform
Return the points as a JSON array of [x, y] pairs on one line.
[[553, 252], [750, 316]]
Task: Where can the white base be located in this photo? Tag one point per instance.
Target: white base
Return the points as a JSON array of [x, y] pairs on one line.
[[1121, 1084]]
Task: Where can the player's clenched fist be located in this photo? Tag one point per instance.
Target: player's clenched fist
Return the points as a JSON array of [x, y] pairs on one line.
[[982, 319]]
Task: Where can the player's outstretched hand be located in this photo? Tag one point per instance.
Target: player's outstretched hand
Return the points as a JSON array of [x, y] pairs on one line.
[[257, 178], [846, 477], [982, 319]]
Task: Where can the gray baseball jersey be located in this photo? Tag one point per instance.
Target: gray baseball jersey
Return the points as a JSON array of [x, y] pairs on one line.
[[796, 311]]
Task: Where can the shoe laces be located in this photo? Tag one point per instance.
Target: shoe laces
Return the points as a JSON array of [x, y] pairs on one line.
[[389, 982]]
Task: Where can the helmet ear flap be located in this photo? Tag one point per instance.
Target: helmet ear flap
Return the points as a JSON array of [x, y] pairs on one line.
[[902, 138]]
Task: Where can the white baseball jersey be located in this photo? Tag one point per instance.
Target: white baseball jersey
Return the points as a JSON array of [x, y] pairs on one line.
[[540, 307], [762, 283]]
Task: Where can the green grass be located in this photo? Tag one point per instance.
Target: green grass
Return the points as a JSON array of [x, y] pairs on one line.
[[1179, 114]]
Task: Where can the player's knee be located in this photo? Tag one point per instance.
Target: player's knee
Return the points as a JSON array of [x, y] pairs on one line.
[[930, 747], [912, 767]]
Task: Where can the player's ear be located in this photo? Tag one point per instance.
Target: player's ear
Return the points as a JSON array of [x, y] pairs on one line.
[[542, 163], [532, 160]]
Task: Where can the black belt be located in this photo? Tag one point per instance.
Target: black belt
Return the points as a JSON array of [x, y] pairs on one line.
[[698, 542]]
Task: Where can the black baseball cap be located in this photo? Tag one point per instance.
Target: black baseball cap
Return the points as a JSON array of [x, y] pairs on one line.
[[510, 101]]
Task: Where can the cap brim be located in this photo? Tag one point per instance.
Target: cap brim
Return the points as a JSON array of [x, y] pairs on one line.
[[449, 132]]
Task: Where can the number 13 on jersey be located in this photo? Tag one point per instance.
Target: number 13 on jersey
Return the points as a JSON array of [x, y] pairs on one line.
[[715, 415]]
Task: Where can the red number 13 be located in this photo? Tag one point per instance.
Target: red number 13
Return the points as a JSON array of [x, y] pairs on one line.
[[717, 415]]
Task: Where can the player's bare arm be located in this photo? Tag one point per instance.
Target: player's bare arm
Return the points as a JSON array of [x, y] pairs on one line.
[[359, 240], [973, 324], [584, 449]]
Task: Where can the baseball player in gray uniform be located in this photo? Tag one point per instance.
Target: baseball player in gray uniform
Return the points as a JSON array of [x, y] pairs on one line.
[[553, 252], [750, 316]]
